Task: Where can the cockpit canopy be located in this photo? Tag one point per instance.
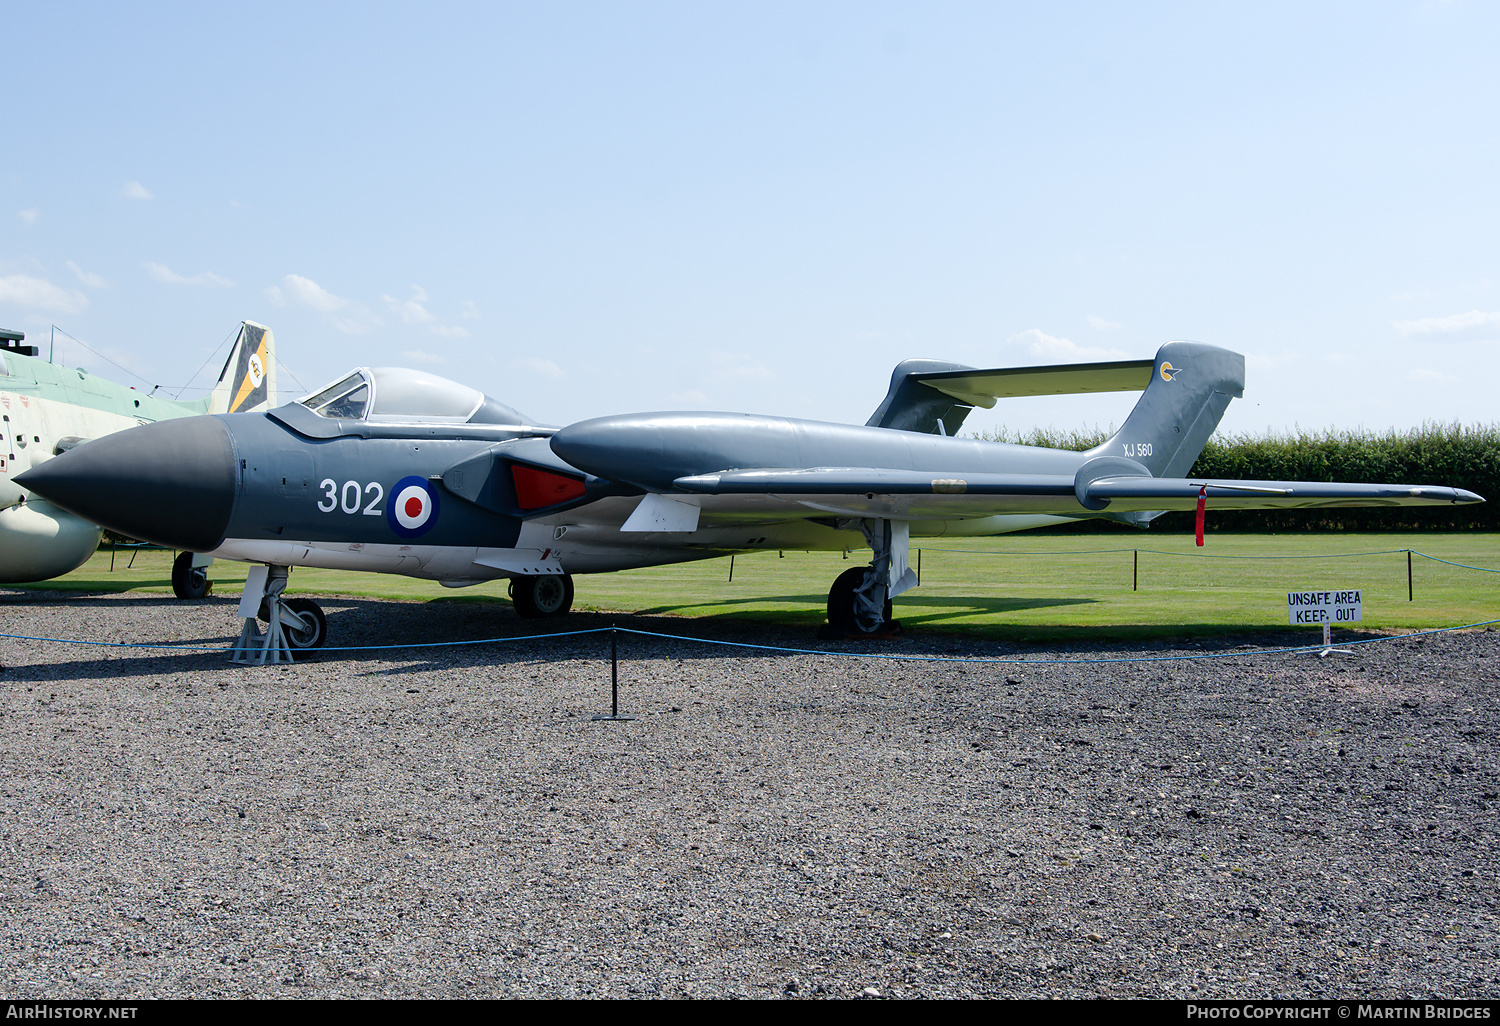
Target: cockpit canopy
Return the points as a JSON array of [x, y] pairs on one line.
[[396, 395]]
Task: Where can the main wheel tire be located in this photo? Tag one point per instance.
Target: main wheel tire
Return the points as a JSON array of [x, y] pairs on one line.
[[542, 596], [313, 630], [189, 581], [841, 616]]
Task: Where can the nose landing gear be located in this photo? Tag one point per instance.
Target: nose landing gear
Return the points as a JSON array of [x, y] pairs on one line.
[[292, 625]]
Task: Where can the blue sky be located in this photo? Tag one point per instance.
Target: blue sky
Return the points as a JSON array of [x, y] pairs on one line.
[[591, 208]]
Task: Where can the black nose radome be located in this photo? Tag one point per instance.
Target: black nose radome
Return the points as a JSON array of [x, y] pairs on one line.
[[171, 483]]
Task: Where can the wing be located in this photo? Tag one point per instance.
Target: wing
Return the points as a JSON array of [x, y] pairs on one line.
[[1133, 493], [908, 494]]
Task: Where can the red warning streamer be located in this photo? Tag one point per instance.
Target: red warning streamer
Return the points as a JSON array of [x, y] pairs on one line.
[[1202, 505]]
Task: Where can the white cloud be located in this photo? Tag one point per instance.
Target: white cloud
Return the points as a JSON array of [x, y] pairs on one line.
[[93, 281], [359, 321], [164, 274], [537, 365], [29, 215], [345, 315], [739, 366], [1273, 361], [469, 310], [1428, 374], [1101, 324], [449, 331], [30, 293], [135, 191], [1474, 324], [296, 289], [1054, 349], [412, 311], [422, 356]]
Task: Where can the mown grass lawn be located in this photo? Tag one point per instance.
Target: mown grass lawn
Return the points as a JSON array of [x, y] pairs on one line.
[[1017, 587]]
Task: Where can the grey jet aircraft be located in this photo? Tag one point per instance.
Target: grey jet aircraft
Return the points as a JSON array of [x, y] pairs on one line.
[[398, 471]]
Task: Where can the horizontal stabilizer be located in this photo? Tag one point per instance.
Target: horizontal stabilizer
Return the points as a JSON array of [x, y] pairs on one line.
[[932, 397], [983, 387]]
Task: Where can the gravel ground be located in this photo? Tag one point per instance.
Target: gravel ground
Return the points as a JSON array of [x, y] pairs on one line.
[[450, 822]]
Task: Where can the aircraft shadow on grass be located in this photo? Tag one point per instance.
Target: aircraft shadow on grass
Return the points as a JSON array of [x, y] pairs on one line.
[[85, 596], [442, 633], [449, 632], [909, 609]]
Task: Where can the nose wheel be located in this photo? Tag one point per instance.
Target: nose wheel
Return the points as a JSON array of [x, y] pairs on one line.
[[292, 625], [303, 623]]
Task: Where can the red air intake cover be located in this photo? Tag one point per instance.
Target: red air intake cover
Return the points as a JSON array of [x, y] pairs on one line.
[[537, 489]]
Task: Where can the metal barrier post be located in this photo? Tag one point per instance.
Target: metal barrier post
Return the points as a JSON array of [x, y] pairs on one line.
[[614, 680]]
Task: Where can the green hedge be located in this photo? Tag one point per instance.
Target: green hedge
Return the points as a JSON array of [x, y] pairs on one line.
[[1461, 456]]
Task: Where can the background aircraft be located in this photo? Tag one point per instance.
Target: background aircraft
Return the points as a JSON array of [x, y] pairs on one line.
[[399, 471], [49, 409]]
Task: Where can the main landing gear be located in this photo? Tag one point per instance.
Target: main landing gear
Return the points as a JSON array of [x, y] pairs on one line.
[[292, 625], [859, 603], [543, 595], [851, 595]]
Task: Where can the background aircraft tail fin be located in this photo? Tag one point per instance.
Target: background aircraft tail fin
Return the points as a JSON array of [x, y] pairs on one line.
[[1190, 388], [248, 381]]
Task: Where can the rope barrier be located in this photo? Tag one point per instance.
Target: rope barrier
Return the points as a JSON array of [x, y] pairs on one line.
[[1237, 653], [188, 647], [1450, 562]]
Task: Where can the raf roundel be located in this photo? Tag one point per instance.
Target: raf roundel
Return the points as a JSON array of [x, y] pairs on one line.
[[413, 507]]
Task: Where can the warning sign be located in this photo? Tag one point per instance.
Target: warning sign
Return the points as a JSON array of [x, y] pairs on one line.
[[1318, 607]]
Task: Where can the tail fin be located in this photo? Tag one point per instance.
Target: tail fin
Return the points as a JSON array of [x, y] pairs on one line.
[[248, 381], [1191, 385]]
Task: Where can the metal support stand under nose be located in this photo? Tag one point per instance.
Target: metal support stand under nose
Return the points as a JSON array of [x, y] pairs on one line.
[[263, 588]]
